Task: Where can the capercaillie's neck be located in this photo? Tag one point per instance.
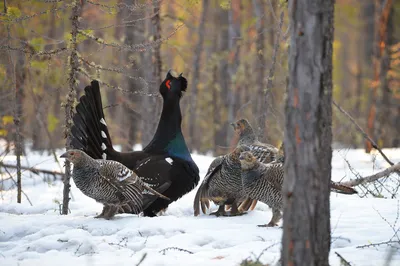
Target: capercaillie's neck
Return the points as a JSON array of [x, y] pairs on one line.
[[168, 137]]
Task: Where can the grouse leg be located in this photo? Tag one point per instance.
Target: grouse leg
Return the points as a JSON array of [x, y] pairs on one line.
[[234, 210], [220, 211], [101, 215], [276, 216], [111, 211]]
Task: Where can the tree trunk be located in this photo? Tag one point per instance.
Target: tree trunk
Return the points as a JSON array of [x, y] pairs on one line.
[[234, 62], [258, 7], [308, 135], [153, 60], [134, 35], [196, 76], [383, 129], [73, 84], [382, 12]]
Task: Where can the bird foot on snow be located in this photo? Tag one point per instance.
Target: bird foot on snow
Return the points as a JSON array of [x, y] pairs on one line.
[[270, 224], [230, 214]]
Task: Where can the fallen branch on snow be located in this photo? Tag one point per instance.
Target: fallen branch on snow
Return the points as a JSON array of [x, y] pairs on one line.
[[372, 178]]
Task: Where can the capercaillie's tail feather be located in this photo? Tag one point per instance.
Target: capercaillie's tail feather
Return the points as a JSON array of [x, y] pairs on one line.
[[342, 189], [89, 131]]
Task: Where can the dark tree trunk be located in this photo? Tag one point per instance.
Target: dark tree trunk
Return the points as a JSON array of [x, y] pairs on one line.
[[134, 35], [223, 75], [196, 76], [382, 12], [153, 60], [308, 135], [383, 126]]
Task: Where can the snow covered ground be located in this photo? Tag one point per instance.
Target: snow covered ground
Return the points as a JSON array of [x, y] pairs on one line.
[[38, 235]]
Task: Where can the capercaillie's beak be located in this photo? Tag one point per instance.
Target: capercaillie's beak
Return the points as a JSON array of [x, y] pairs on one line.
[[64, 155]]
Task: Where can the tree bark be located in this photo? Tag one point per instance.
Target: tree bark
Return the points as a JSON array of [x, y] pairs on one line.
[[196, 75], [258, 7], [134, 35], [153, 59], [383, 128], [382, 11], [308, 135], [73, 84]]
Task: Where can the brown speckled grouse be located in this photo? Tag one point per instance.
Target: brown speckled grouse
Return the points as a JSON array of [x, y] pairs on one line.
[[108, 182], [264, 182], [264, 152]]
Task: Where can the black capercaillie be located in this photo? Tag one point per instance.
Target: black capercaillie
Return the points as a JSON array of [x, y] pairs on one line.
[[165, 162], [109, 182]]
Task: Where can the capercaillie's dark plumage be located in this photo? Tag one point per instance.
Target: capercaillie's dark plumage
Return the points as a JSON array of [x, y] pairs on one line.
[[108, 182], [264, 182], [264, 152], [165, 163]]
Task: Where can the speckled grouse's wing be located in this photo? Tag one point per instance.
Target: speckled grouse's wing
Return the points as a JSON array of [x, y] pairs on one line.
[[129, 186], [264, 153], [202, 198]]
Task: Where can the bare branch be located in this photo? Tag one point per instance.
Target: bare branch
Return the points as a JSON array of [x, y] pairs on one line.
[[365, 135], [32, 52], [141, 93], [142, 47], [343, 261], [372, 178], [16, 183], [23, 18], [33, 170]]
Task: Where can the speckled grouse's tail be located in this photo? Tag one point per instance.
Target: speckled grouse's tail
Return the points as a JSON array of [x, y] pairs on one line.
[[342, 189], [89, 131]]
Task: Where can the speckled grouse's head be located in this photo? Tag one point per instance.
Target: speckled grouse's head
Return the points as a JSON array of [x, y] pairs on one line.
[[173, 85], [73, 155], [247, 160], [242, 127]]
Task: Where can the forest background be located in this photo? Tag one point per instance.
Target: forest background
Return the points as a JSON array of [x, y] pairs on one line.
[[233, 53]]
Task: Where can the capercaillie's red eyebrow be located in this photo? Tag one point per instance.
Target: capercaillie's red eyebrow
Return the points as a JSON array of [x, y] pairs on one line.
[[167, 83]]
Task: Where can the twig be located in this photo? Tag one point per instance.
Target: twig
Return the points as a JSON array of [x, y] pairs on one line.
[[380, 244], [32, 52], [142, 259], [22, 18], [372, 178], [343, 261], [175, 248], [365, 135], [32, 169], [15, 182], [142, 47]]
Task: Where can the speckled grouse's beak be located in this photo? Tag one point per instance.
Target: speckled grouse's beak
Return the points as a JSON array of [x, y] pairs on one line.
[[241, 157], [233, 125], [64, 155]]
